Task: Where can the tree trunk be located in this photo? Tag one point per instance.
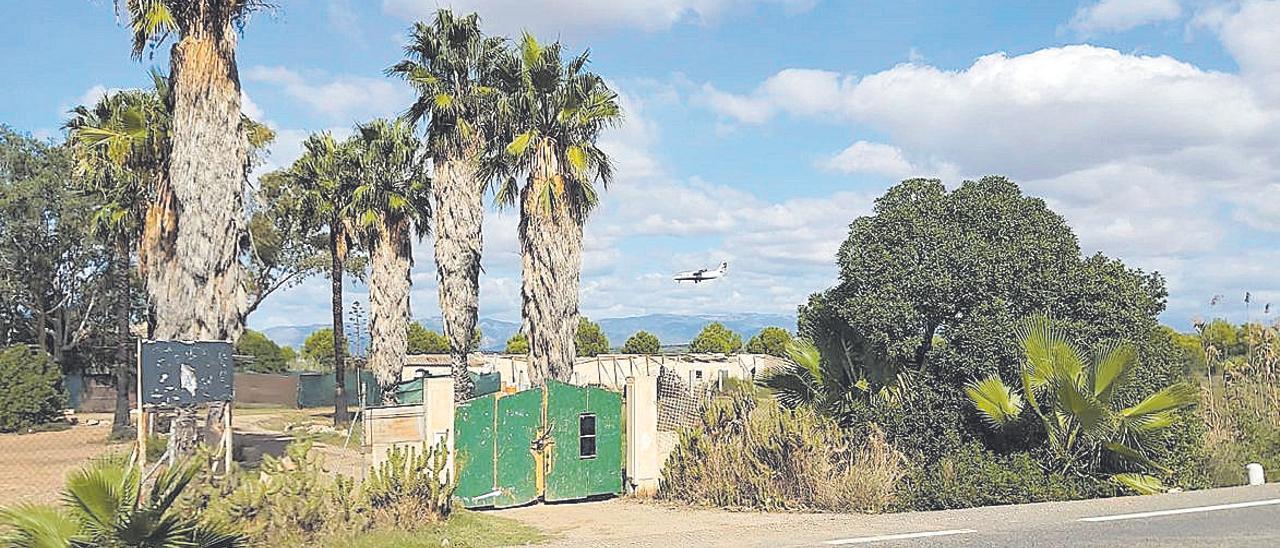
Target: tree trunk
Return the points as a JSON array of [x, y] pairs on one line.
[[124, 351], [459, 214], [195, 231], [194, 234], [551, 249], [340, 416], [389, 306]]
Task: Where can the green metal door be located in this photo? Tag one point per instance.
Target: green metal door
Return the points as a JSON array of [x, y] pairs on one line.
[[473, 426], [563, 442], [586, 454]]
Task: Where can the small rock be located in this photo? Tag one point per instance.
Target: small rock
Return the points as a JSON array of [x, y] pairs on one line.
[[92, 422]]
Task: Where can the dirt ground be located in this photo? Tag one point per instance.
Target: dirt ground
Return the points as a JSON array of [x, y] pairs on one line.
[[33, 466]]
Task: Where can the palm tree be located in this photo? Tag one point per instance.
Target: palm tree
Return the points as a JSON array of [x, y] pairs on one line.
[[194, 234], [554, 112], [120, 146], [106, 506], [1074, 399], [449, 63], [831, 384], [390, 200], [323, 181]]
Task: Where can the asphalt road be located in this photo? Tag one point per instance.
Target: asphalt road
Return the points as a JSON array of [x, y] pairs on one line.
[[1240, 516]]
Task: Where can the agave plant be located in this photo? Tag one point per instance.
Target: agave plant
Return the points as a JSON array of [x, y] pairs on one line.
[[1073, 397], [105, 505]]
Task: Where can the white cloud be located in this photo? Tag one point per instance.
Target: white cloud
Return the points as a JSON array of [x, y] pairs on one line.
[[250, 108], [1149, 158], [343, 98], [1248, 31], [875, 158], [576, 16], [1122, 15]]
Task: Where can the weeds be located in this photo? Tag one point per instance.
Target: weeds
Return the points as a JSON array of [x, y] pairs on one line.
[[757, 454]]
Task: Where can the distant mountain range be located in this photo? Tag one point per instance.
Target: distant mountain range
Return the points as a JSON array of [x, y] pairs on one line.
[[671, 329]]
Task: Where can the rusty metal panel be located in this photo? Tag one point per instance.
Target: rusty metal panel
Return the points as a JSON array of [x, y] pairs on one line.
[[586, 456], [185, 372]]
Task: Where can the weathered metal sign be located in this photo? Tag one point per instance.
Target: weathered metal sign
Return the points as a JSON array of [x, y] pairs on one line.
[[176, 373]]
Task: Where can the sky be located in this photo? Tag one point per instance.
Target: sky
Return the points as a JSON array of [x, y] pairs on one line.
[[757, 130]]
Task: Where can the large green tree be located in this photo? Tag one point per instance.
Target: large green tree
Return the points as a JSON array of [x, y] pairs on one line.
[[449, 63], [933, 285], [426, 341], [266, 356], [554, 111], [389, 204], [194, 235]]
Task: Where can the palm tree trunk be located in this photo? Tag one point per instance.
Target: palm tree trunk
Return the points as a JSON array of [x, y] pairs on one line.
[[459, 214], [123, 369], [389, 306], [194, 277], [195, 233], [340, 415], [551, 249]]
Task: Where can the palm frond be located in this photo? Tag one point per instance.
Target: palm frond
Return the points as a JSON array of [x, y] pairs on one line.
[[37, 526], [995, 401], [1171, 398], [1141, 484]]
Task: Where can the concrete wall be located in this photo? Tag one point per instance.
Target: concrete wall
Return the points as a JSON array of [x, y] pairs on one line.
[[644, 458], [410, 426], [612, 370]]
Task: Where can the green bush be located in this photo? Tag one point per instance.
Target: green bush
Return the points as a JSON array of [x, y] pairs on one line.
[[758, 454], [31, 391], [974, 476]]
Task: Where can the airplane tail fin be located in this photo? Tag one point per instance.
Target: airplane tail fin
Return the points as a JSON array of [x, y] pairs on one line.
[[724, 267]]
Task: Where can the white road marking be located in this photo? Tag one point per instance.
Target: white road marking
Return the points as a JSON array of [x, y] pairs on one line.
[[903, 536], [1192, 510]]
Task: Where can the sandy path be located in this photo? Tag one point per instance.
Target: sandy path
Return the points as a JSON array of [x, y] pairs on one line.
[[33, 466]]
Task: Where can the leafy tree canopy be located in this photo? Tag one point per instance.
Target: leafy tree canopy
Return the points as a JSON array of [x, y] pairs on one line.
[[426, 341], [267, 356], [517, 344], [318, 348], [642, 342], [770, 340], [715, 337], [590, 339]]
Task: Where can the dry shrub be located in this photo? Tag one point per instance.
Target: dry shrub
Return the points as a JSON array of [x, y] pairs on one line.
[[760, 455], [1243, 420]]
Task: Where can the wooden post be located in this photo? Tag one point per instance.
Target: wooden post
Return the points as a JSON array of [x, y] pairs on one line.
[[142, 414], [226, 437]]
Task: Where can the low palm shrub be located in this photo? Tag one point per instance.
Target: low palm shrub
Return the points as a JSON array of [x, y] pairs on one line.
[[1072, 398], [106, 504], [757, 454]]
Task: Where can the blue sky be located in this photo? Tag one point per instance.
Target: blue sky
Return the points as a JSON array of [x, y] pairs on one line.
[[758, 129]]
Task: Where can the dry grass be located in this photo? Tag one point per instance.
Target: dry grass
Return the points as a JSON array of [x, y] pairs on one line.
[[759, 455]]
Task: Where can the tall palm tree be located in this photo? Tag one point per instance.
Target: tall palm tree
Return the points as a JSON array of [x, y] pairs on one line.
[[390, 202], [107, 141], [195, 229], [1073, 397], [323, 181], [554, 112], [120, 146], [450, 63]]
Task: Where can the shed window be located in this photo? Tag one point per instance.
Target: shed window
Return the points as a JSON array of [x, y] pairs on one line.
[[587, 435]]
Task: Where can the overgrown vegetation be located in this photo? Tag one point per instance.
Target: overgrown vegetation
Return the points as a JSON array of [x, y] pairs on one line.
[[758, 454], [293, 500]]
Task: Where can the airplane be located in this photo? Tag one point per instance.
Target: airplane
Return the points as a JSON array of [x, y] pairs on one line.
[[702, 275]]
